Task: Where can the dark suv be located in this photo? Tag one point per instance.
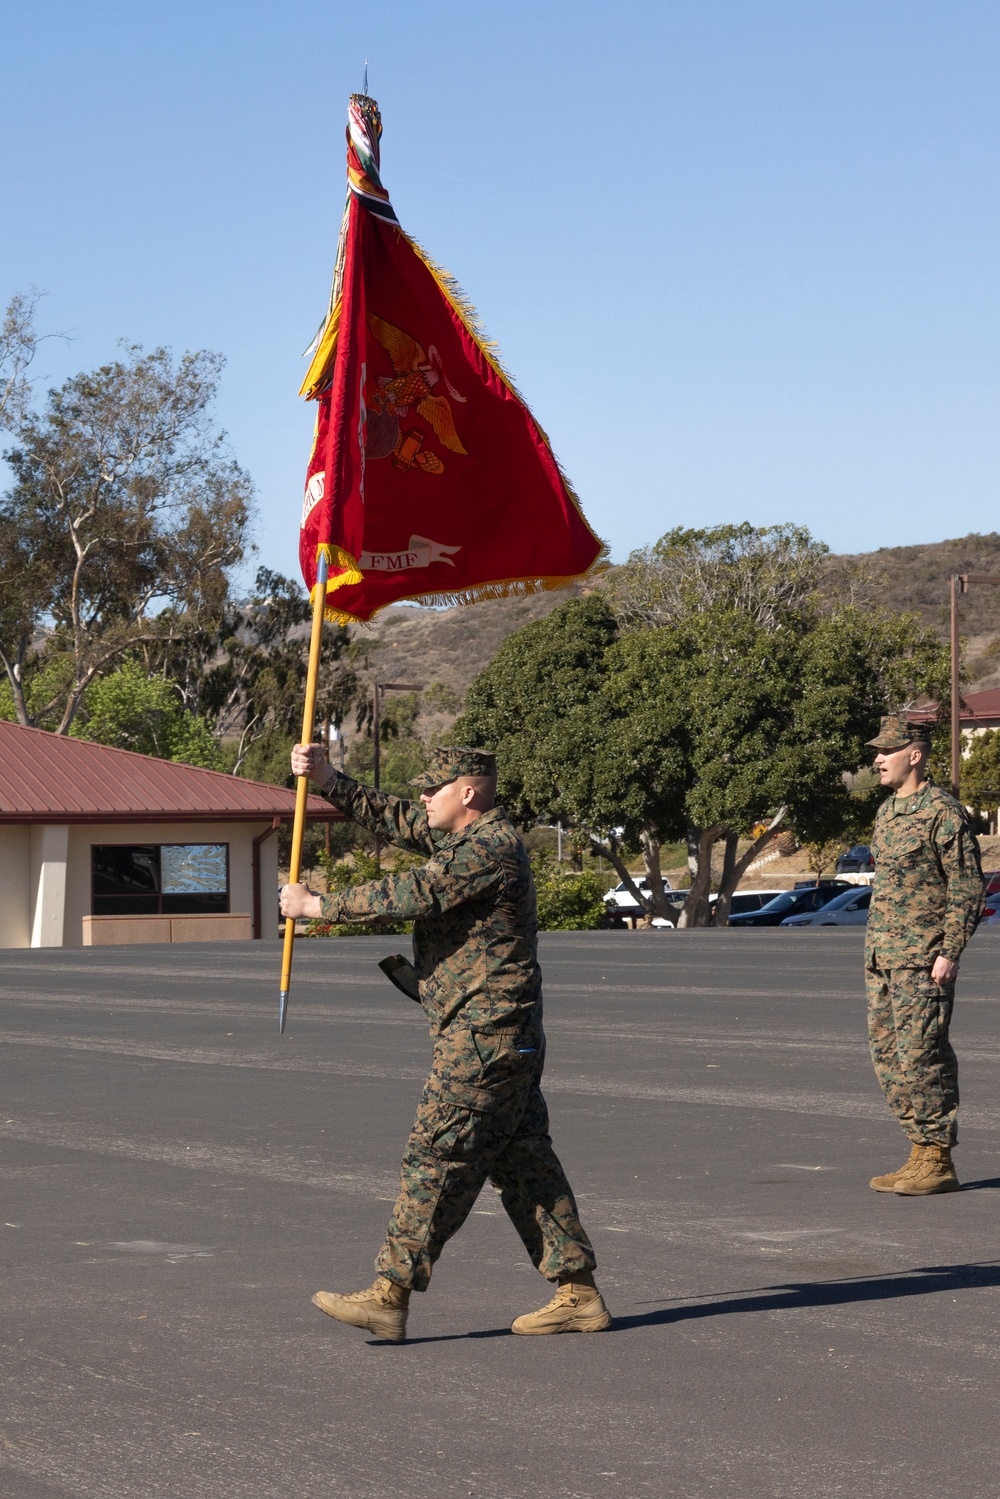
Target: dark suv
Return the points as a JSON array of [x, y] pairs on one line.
[[857, 860], [792, 903]]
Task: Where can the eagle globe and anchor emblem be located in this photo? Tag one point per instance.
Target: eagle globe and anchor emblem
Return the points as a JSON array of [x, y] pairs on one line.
[[385, 409], [411, 387]]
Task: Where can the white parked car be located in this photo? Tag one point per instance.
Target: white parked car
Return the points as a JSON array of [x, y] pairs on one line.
[[850, 908], [621, 902], [743, 900], [621, 895]]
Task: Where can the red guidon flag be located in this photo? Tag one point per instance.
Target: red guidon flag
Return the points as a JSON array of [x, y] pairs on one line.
[[429, 477]]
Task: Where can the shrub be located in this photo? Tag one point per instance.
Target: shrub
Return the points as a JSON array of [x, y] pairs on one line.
[[339, 875], [568, 902]]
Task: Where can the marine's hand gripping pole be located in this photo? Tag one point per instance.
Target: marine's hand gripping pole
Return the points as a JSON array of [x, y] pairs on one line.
[[302, 783]]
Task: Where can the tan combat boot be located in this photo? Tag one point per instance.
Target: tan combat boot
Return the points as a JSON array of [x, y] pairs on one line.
[[888, 1182], [381, 1309], [577, 1306], [933, 1173]]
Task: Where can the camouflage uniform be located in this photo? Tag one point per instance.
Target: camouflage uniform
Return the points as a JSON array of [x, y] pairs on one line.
[[927, 899], [481, 1115]]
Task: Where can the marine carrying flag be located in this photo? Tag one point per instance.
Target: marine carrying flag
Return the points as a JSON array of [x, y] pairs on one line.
[[429, 478]]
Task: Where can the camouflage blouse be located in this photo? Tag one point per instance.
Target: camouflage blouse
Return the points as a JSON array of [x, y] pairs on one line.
[[475, 927], [928, 891]]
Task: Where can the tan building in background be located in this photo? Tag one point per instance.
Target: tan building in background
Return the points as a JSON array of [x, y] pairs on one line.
[[101, 845]]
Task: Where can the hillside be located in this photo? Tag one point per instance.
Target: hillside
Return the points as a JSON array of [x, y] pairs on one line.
[[918, 578], [451, 646]]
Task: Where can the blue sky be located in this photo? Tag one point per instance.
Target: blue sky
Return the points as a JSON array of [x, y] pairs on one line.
[[740, 255]]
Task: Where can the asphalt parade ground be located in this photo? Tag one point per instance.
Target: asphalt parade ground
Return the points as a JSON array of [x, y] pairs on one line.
[[178, 1179]]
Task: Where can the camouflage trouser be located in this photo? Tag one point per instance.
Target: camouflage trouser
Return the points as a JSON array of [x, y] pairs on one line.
[[908, 1019], [482, 1116]]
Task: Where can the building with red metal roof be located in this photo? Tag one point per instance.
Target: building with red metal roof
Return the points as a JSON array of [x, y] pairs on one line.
[[979, 711], [104, 845]]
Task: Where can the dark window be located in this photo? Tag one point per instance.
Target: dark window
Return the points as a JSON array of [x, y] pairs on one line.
[[126, 879], [152, 879], [783, 902], [745, 902]]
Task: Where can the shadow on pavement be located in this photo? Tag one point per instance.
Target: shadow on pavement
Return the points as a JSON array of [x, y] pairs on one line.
[[447, 1337], [920, 1282], [927, 1281]]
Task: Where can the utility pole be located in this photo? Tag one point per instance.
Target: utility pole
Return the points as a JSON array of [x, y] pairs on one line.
[[326, 753], [377, 732], [381, 687], [959, 584]]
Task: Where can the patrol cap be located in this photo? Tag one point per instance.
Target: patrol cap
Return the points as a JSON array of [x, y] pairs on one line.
[[896, 732], [448, 762]]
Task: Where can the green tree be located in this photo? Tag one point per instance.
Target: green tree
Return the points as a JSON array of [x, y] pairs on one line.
[[762, 572], [547, 703], [440, 698], [340, 875], [18, 345], [980, 772], [747, 703], [126, 515], [568, 902], [48, 679], [131, 710], [538, 691], [248, 680], [402, 753]]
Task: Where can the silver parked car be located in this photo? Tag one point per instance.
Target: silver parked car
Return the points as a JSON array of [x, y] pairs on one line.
[[850, 908]]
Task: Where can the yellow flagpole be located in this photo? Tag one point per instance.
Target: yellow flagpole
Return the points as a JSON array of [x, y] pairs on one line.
[[302, 783]]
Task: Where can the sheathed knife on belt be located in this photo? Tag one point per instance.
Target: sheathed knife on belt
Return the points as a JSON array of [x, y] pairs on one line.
[[401, 972]]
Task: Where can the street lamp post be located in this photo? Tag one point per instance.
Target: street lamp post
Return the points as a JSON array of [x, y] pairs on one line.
[[959, 584], [381, 687]]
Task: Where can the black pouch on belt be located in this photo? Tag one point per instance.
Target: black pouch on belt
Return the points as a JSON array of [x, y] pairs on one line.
[[401, 972]]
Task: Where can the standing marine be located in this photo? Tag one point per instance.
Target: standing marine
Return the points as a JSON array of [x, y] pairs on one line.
[[926, 902], [481, 1116]]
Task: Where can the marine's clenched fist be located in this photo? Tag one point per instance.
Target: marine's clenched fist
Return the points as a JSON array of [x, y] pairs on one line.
[[299, 900], [309, 760]]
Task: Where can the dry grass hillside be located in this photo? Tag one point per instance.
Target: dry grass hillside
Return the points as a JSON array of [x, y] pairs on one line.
[[409, 643], [447, 648], [918, 578]]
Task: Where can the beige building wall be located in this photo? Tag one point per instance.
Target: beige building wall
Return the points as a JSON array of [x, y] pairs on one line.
[[239, 836], [15, 887], [269, 886], [49, 844], [45, 880]]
